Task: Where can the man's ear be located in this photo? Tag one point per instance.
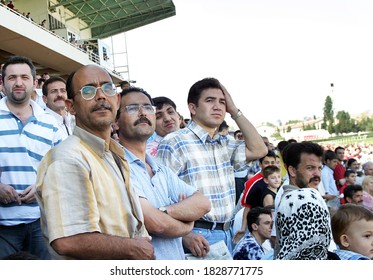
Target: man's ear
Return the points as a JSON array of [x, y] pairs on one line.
[[192, 108], [118, 101], [44, 99], [292, 171], [70, 106], [254, 226], [265, 180]]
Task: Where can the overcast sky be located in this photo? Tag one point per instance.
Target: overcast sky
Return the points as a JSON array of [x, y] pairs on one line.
[[277, 58]]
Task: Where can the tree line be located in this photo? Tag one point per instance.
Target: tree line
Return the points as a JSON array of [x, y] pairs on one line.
[[342, 122]]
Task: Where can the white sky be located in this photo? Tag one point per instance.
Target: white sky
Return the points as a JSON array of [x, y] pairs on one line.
[[277, 58]]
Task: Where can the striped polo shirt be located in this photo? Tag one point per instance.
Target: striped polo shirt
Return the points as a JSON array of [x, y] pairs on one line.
[[22, 146]]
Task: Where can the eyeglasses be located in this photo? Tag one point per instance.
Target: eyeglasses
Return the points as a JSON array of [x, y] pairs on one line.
[[135, 109], [89, 92]]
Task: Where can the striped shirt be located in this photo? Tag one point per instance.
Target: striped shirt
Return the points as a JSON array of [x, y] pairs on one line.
[[208, 164], [163, 189], [350, 255], [22, 146], [80, 189]]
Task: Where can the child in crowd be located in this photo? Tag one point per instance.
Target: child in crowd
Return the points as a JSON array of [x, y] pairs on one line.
[[350, 177], [368, 192], [272, 177], [352, 227]]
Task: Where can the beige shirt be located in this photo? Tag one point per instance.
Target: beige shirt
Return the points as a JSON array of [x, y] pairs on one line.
[[80, 189]]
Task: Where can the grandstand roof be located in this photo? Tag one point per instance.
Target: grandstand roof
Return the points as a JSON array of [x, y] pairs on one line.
[[110, 17]]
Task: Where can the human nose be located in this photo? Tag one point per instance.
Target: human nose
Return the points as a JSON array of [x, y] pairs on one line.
[[18, 81], [100, 94]]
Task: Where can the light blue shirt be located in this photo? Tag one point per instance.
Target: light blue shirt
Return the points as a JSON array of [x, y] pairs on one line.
[[160, 190], [327, 177]]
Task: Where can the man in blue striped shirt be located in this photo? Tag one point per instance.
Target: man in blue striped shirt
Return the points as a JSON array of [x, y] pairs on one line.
[[26, 134]]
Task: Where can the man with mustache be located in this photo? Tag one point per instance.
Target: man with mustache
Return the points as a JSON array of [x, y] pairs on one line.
[[54, 96], [89, 208], [27, 134], [170, 205], [302, 218]]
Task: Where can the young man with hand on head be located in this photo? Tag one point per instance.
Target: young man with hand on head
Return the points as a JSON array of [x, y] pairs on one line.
[[202, 157]]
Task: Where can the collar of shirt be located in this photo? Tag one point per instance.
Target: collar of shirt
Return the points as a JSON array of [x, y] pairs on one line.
[[203, 135], [54, 114], [131, 158], [98, 144], [37, 110]]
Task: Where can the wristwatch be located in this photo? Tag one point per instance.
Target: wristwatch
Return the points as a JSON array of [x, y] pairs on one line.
[[163, 209]]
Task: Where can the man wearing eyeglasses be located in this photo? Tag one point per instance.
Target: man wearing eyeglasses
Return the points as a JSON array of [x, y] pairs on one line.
[[54, 96], [170, 205], [89, 209]]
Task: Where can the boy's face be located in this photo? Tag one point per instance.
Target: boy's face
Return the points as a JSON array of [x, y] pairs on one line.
[[359, 238], [273, 180], [332, 163], [351, 179]]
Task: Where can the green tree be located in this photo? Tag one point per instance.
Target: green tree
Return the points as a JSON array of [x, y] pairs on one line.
[[345, 123], [366, 123], [328, 118]]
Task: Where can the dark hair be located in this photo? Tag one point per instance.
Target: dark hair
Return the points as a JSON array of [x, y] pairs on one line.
[[124, 83], [348, 172], [292, 152], [253, 216], [18, 60], [236, 132], [330, 155], [136, 89], [269, 170], [344, 216], [160, 101], [49, 81], [350, 190], [40, 81], [70, 86], [269, 154], [338, 148], [350, 161], [281, 145], [196, 90], [222, 126]]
